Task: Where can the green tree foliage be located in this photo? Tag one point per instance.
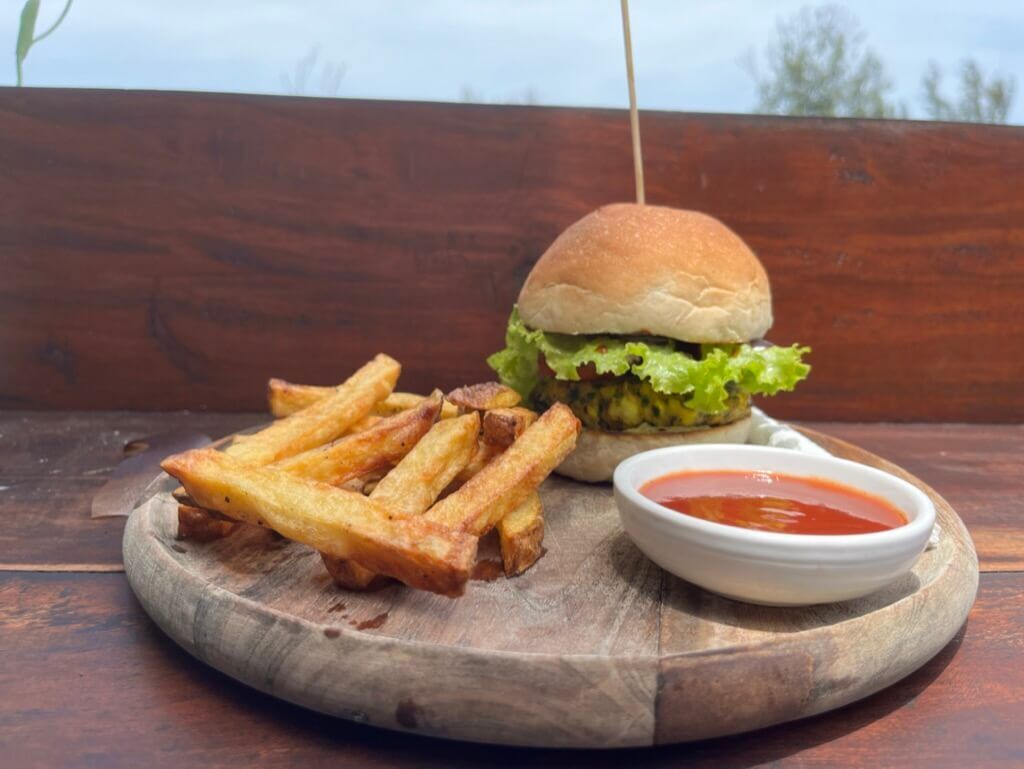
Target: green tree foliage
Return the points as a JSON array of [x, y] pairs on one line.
[[821, 66], [980, 101]]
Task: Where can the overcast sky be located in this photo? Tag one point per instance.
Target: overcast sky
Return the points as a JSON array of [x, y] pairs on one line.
[[688, 53]]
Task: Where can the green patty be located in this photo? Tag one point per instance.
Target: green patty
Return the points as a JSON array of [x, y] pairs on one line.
[[628, 403]]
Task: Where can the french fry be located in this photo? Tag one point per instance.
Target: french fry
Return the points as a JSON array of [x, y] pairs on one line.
[[349, 403], [502, 426], [415, 483], [181, 496], [367, 483], [397, 402], [364, 424], [375, 448], [200, 525], [485, 452], [325, 420], [418, 480], [511, 477], [483, 397], [285, 398], [334, 521], [346, 462], [521, 535]]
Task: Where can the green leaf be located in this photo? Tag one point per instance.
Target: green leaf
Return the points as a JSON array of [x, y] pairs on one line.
[[670, 370], [27, 30], [516, 365]]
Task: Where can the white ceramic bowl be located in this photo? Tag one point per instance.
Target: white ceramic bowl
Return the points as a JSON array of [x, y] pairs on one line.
[[770, 567]]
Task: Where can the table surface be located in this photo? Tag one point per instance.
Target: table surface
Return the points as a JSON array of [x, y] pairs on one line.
[[88, 679]]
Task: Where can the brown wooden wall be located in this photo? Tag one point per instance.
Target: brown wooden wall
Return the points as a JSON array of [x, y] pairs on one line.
[[163, 250]]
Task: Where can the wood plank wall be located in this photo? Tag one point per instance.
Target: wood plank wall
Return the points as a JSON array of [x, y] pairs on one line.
[[166, 250]]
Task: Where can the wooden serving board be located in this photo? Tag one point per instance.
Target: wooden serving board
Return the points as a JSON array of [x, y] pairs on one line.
[[593, 647]]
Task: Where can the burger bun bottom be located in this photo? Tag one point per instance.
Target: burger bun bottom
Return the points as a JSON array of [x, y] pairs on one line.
[[598, 453]]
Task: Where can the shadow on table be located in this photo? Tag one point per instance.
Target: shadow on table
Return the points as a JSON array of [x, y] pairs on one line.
[[300, 732]]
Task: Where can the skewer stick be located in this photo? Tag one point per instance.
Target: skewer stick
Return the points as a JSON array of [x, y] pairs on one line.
[[634, 117]]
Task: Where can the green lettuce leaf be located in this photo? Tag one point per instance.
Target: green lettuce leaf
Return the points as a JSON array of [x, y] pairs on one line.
[[757, 370]]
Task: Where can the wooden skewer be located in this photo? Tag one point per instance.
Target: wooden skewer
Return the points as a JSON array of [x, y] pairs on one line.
[[634, 117]]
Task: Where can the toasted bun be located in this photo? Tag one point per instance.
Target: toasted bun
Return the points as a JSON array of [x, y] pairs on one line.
[[598, 453], [632, 269]]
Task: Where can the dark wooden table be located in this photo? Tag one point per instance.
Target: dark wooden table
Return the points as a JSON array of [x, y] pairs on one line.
[[87, 679]]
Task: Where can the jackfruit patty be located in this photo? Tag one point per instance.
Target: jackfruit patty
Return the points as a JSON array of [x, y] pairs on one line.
[[626, 403]]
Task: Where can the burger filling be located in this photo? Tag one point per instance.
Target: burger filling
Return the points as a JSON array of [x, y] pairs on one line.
[[626, 403], [642, 383]]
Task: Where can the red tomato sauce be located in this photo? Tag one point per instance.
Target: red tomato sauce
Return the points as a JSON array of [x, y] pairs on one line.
[[774, 502]]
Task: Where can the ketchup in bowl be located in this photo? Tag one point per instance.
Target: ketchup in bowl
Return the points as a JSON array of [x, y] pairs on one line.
[[769, 501]]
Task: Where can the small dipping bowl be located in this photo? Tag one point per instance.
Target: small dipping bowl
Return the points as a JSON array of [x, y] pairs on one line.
[[767, 567]]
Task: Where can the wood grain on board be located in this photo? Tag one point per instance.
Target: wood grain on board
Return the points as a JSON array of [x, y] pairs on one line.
[[594, 646], [167, 250]]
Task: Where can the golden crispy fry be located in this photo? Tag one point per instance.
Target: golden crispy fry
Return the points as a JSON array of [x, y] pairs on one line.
[[483, 397], [373, 449], [485, 452], [367, 483], [352, 461], [397, 402], [510, 478], [521, 534], [325, 420], [427, 470], [180, 495], [364, 484], [364, 424], [285, 398], [416, 482], [502, 426], [200, 525], [334, 521], [353, 482]]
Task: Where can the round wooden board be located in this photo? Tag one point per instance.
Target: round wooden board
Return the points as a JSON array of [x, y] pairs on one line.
[[593, 647]]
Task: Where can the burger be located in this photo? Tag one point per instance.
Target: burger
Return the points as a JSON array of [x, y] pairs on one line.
[[649, 323]]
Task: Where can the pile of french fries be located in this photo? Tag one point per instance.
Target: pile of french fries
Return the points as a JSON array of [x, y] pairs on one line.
[[384, 484]]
